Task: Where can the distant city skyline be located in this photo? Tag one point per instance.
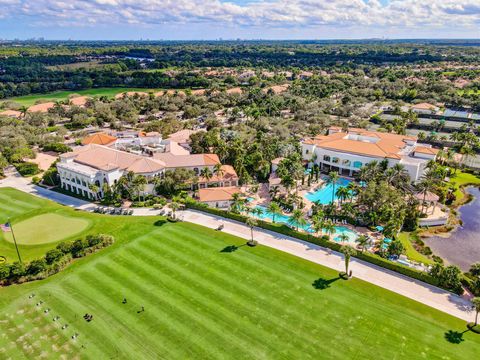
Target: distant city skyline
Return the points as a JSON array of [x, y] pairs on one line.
[[245, 19]]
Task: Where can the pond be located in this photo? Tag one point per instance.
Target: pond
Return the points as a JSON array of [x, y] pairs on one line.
[[462, 247]]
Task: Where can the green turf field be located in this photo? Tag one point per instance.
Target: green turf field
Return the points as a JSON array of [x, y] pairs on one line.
[[30, 100], [44, 228], [207, 295]]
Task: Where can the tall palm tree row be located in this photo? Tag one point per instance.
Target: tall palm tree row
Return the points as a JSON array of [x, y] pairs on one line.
[[333, 178]]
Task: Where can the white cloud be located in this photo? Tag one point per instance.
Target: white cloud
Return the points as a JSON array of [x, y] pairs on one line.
[[261, 13]]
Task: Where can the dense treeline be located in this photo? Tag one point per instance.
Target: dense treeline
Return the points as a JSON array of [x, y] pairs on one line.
[[30, 68]]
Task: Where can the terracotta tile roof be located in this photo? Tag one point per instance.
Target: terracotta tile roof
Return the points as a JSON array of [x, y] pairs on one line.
[[193, 160], [388, 145], [276, 161], [424, 106], [182, 136], [199, 92], [79, 100], [99, 139], [105, 158], [131, 93], [277, 89], [217, 193], [44, 107], [177, 92], [228, 174], [235, 90], [11, 113], [426, 150]]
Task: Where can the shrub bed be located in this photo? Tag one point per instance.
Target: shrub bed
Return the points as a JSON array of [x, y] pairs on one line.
[[54, 261]]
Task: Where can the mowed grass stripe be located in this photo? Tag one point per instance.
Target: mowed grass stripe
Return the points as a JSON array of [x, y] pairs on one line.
[[41, 323], [216, 310], [71, 304], [188, 241], [119, 335], [216, 285], [246, 287], [187, 307], [64, 302], [177, 325], [341, 302]]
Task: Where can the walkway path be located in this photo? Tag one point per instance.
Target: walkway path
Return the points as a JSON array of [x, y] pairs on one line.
[[414, 289]]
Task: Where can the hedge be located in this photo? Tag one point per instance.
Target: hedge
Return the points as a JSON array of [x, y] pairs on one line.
[[322, 241], [54, 260]]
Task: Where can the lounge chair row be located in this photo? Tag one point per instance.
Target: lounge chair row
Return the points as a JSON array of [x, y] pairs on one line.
[[113, 211]]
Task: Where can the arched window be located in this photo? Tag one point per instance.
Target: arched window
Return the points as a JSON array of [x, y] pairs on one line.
[[357, 164], [346, 162], [335, 160], [326, 158]]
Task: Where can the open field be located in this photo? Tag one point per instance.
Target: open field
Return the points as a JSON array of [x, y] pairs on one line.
[[30, 100], [206, 295]]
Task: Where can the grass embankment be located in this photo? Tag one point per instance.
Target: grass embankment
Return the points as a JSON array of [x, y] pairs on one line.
[[207, 295], [410, 250], [461, 180], [30, 100]]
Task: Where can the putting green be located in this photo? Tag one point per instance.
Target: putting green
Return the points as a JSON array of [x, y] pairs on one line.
[[46, 228]]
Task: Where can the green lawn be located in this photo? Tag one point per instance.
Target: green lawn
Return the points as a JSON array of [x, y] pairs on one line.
[[460, 180], [207, 295], [43, 229], [29, 100], [410, 251]]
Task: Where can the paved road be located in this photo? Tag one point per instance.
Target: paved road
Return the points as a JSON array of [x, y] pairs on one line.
[[414, 289]]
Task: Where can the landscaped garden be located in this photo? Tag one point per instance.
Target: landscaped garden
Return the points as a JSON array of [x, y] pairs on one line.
[[178, 290]]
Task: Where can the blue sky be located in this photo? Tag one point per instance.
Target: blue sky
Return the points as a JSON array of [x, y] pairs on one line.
[[246, 19]]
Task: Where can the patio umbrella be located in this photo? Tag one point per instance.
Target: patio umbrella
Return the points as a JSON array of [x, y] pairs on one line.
[[379, 228]]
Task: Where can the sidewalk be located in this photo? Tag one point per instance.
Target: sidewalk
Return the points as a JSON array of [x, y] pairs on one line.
[[424, 293], [400, 284]]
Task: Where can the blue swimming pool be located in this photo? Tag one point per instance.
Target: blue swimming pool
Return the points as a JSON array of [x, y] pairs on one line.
[[324, 193], [283, 219]]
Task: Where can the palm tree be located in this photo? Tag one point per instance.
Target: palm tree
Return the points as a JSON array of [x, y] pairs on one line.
[[273, 192], [343, 237], [398, 176], [94, 189], [476, 308], [333, 179], [348, 252], [329, 228], [23, 110], [297, 219], [206, 173], [251, 223], [342, 193], [318, 224], [174, 206], [274, 209], [238, 203], [362, 242], [218, 170], [139, 183]]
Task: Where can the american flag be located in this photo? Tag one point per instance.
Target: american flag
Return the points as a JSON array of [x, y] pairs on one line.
[[6, 227]]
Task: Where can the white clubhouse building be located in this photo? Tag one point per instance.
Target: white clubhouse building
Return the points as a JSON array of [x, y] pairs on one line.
[[347, 151], [99, 164]]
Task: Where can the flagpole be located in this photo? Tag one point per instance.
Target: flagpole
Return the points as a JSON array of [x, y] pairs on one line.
[[15, 241]]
